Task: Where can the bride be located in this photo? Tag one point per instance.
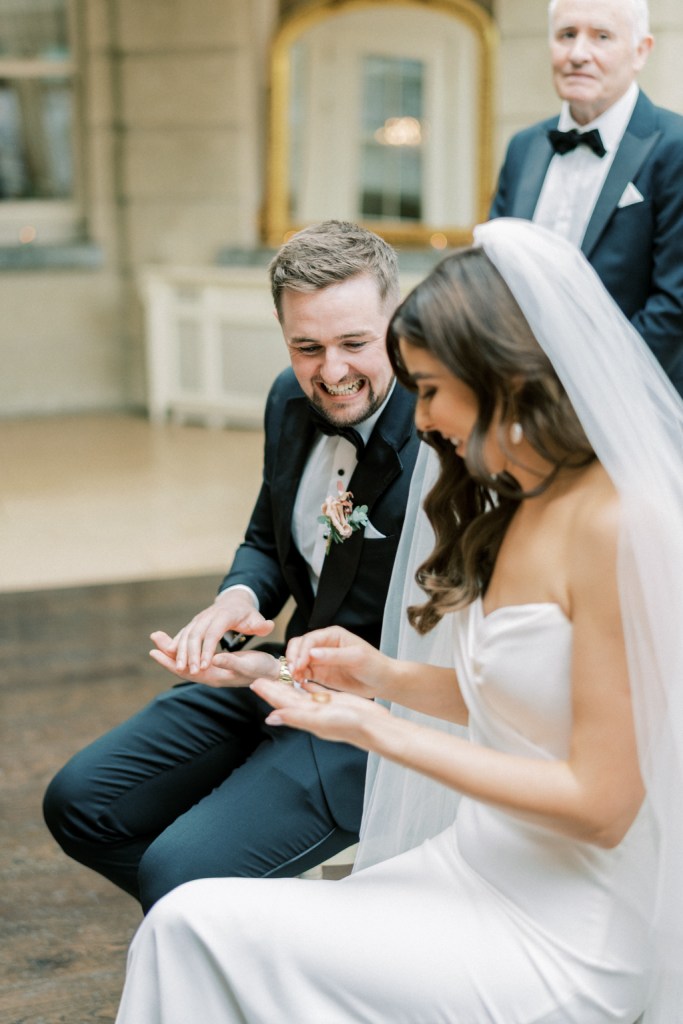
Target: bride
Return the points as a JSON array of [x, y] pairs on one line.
[[552, 894]]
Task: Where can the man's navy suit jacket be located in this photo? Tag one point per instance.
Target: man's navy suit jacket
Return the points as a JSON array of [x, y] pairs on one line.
[[354, 580], [637, 250]]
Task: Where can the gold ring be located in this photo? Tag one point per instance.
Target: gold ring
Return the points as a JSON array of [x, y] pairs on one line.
[[321, 698], [285, 674]]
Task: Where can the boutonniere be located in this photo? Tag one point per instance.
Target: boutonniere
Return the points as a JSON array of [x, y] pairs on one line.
[[341, 518]]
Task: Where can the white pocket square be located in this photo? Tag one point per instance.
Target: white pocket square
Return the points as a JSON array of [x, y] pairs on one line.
[[630, 196], [372, 533]]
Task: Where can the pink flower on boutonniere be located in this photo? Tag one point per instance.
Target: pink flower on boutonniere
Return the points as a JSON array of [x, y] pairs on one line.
[[341, 518]]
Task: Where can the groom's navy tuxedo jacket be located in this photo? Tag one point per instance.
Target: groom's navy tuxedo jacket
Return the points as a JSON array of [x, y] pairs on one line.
[[636, 249], [355, 577]]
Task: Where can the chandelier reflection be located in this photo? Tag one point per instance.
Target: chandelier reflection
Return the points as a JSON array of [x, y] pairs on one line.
[[401, 131]]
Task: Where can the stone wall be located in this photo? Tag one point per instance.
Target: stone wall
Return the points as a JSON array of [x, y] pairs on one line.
[[173, 128], [173, 107]]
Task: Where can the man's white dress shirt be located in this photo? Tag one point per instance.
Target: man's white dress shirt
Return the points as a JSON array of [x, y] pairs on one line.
[[574, 181], [332, 461]]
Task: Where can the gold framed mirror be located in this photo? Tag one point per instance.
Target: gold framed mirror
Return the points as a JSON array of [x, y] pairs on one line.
[[381, 113]]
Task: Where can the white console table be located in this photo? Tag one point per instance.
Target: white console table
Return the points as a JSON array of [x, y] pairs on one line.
[[214, 346]]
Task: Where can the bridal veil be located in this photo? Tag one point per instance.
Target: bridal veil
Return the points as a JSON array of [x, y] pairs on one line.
[[634, 420]]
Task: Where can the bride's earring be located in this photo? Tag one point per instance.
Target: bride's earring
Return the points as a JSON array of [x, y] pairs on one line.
[[516, 433]]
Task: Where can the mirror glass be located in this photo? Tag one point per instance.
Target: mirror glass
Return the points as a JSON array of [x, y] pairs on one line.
[[381, 113]]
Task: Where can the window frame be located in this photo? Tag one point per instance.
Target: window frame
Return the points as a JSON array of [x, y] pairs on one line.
[[278, 222], [28, 223]]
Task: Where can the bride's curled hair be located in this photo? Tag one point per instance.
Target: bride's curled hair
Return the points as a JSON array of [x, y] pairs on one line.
[[465, 316]]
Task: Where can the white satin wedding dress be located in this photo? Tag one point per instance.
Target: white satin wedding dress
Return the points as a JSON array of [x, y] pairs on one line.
[[495, 921]]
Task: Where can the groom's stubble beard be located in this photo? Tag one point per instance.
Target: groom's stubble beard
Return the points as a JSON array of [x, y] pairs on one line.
[[338, 417]]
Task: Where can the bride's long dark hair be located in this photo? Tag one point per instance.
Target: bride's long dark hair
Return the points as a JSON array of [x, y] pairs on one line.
[[465, 316]]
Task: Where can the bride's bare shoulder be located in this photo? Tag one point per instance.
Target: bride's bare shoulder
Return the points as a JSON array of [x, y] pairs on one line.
[[594, 489], [595, 522]]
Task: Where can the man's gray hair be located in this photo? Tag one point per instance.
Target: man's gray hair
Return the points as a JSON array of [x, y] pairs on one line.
[[331, 252], [640, 16]]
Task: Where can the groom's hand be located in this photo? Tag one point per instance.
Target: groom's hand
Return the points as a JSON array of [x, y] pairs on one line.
[[195, 645], [238, 669]]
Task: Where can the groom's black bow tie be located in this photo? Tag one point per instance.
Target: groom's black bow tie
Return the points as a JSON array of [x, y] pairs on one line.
[[331, 429], [564, 142]]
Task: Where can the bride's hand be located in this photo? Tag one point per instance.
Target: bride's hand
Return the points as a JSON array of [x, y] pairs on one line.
[[341, 717], [338, 659]]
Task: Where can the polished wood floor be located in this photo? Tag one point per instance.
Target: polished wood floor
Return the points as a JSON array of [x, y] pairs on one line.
[[75, 663], [89, 499]]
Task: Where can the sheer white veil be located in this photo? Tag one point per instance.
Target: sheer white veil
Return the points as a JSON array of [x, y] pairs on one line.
[[634, 420], [402, 808]]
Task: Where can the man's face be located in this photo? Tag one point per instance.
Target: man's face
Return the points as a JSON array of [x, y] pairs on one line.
[[594, 56], [336, 341]]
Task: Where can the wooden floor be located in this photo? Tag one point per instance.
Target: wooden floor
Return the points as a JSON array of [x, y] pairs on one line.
[[105, 498], [74, 663]]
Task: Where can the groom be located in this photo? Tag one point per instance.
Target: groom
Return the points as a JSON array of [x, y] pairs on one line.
[[196, 784], [608, 173]]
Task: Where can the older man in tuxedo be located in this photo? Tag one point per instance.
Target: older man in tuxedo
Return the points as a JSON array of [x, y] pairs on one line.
[[196, 784], [608, 173]]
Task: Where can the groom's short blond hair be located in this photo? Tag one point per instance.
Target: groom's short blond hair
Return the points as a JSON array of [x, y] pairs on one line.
[[331, 252]]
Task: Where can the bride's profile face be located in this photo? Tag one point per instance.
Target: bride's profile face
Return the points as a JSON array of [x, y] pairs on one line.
[[446, 405]]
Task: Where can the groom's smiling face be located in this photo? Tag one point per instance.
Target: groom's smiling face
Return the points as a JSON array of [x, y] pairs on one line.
[[336, 341]]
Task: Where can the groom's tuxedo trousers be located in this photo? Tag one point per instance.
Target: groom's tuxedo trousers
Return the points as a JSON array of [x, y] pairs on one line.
[[634, 237], [196, 784]]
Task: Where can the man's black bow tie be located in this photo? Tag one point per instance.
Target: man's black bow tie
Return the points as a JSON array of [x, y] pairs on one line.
[[564, 142], [331, 429]]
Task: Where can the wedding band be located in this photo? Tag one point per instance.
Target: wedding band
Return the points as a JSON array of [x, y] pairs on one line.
[[321, 698], [285, 674]]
